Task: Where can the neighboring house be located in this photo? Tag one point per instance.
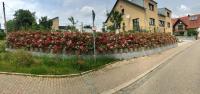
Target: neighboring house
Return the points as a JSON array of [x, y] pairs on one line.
[[55, 25], [183, 24], [140, 15]]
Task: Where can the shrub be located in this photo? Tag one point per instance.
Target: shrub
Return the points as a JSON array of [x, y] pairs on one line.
[[192, 32], [22, 58], [72, 42], [2, 46], [2, 35]]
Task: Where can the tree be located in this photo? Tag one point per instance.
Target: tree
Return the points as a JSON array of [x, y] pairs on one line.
[[44, 23], [24, 19], [116, 18], [73, 22], [11, 25]]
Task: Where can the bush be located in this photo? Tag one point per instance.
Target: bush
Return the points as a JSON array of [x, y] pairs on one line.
[[2, 46], [192, 32], [73, 42], [2, 35], [22, 58]]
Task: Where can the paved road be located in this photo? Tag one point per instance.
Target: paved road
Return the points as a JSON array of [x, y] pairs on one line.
[[181, 75]]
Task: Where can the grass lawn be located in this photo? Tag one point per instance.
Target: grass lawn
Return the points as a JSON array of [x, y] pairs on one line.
[[23, 62]]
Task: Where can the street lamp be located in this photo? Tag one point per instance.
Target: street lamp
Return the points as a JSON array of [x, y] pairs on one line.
[[94, 34]]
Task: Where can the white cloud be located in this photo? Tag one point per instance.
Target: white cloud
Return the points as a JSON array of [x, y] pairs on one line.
[[86, 10], [80, 9], [184, 8]]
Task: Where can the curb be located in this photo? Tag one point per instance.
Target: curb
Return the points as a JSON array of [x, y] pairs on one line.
[[143, 75], [57, 76]]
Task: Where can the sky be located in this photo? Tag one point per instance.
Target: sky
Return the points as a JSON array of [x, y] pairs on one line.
[[81, 9]]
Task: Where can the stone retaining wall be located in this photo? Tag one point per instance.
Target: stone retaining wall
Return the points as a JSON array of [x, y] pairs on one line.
[[121, 54]]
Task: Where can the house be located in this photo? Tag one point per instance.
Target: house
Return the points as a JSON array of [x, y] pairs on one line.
[[140, 15], [183, 24], [55, 24]]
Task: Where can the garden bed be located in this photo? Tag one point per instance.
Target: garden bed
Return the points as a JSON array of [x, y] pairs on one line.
[[79, 46], [20, 61]]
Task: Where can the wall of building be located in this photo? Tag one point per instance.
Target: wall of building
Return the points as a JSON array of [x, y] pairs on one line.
[[151, 14], [55, 24], [131, 12], [169, 20], [144, 14], [163, 18]]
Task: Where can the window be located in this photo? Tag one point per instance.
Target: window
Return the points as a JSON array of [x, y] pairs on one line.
[[136, 25], [162, 23], [169, 25], [151, 21], [151, 7], [180, 27], [193, 18], [168, 14], [122, 11]]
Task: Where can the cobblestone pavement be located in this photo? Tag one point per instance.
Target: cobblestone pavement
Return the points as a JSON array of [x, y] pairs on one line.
[[92, 83]]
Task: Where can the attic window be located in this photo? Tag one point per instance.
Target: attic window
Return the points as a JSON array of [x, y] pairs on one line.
[[193, 18]]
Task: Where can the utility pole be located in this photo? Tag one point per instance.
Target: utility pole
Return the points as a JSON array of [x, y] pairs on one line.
[[4, 14]]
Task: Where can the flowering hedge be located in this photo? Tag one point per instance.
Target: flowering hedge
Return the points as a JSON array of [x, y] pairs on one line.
[[70, 42]]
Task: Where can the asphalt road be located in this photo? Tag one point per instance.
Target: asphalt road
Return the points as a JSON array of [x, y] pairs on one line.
[[180, 75]]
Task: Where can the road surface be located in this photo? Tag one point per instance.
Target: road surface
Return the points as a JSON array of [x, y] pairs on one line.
[[180, 75]]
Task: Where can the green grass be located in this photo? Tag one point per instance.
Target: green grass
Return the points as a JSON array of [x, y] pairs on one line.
[[23, 62]]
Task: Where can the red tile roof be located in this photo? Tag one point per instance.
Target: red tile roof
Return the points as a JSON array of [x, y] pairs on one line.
[[188, 22]]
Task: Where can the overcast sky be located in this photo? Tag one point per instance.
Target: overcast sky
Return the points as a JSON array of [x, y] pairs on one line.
[[81, 9]]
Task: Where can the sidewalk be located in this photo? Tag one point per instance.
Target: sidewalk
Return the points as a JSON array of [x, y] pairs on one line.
[[97, 82]]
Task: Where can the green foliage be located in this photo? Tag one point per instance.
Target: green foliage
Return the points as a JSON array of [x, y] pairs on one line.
[[131, 31], [192, 32], [11, 25], [116, 18], [44, 23], [111, 28], [24, 19], [23, 62], [22, 58], [2, 46], [2, 35], [72, 28], [73, 22]]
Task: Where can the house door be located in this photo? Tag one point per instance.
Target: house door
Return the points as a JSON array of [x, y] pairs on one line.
[[136, 24]]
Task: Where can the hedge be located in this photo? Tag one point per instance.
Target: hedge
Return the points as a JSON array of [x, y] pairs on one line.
[[70, 42]]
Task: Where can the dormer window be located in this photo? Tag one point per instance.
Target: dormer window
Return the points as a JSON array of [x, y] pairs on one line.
[[193, 18], [151, 7]]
